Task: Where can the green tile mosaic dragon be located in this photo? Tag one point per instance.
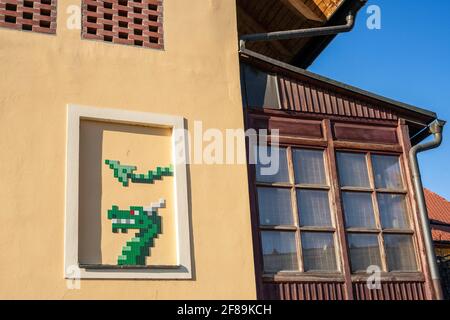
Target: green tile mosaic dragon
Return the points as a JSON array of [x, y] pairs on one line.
[[125, 173], [143, 219]]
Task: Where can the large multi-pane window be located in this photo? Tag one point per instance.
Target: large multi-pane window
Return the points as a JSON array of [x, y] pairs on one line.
[[375, 212], [295, 220]]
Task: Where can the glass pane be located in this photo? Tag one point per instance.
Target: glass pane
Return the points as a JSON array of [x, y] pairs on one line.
[[400, 252], [387, 172], [364, 251], [279, 251], [393, 211], [271, 164], [313, 208], [318, 251], [309, 167], [358, 210], [275, 206], [352, 169]]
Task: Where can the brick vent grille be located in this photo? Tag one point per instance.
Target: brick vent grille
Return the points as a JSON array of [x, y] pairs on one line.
[[132, 22], [31, 15]]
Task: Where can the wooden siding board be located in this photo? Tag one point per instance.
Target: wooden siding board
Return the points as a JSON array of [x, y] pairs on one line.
[[283, 94], [334, 105], [298, 128], [328, 103], [296, 95], [386, 292], [412, 289], [399, 290], [303, 104], [290, 101], [359, 111], [353, 108], [332, 291], [369, 134], [340, 103], [315, 102], [301, 291], [347, 110], [365, 111], [321, 101], [340, 294], [420, 292], [308, 97], [308, 105]]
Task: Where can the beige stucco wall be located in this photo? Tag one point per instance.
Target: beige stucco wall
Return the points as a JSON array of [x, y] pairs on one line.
[[196, 76]]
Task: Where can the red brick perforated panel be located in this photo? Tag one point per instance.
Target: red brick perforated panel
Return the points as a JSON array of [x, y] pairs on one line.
[[132, 22], [32, 15]]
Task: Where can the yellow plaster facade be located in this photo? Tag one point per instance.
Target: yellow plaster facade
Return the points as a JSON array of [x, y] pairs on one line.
[[196, 77]]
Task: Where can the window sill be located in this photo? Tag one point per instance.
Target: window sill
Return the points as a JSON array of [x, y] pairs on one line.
[[130, 267], [102, 271], [390, 276], [304, 276], [293, 276]]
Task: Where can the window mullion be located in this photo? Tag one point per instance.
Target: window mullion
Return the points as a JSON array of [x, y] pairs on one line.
[[381, 241], [294, 210], [376, 213], [337, 208], [408, 202]]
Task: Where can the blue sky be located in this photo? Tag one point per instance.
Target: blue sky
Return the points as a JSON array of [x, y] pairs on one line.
[[408, 60]]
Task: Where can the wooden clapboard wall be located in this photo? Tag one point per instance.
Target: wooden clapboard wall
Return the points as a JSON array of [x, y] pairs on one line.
[[311, 112], [301, 96]]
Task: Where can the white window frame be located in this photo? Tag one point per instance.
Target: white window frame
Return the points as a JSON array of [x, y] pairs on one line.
[[72, 269]]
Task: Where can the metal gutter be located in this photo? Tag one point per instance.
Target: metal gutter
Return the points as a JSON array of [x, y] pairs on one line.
[[299, 33], [436, 130], [407, 107], [439, 223], [444, 242]]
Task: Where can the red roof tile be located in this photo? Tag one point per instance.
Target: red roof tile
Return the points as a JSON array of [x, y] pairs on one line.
[[438, 210]]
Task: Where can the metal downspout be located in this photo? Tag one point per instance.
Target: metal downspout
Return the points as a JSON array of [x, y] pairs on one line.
[[435, 128]]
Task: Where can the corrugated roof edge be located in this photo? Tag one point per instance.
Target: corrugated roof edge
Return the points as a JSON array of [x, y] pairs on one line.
[[344, 86]]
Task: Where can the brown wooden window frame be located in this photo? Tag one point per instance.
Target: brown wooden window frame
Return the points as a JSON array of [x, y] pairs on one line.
[[374, 191], [336, 210], [296, 227]]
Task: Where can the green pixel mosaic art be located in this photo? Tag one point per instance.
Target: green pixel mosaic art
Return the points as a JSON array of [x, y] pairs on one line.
[[148, 224], [125, 173], [144, 219]]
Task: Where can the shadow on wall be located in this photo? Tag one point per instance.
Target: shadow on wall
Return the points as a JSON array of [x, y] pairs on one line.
[[90, 194]]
